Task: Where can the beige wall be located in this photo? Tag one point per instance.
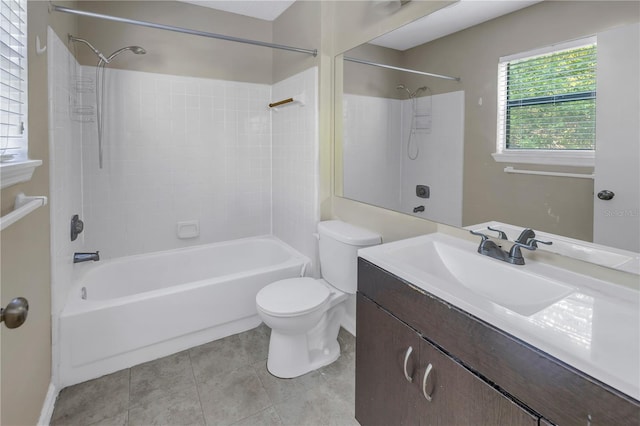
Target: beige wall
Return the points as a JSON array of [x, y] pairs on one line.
[[298, 26], [360, 79], [175, 53], [557, 205], [25, 271]]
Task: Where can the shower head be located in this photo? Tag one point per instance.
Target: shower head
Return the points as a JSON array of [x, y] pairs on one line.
[[414, 94], [135, 49], [418, 90], [403, 87], [96, 51]]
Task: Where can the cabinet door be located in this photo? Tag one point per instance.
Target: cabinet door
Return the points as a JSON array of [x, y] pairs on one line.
[[383, 395], [459, 397]]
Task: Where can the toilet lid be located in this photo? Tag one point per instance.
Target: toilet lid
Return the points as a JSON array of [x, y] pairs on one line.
[[294, 296]]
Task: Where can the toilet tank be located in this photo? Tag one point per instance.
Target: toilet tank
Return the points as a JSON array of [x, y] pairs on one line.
[[338, 246]]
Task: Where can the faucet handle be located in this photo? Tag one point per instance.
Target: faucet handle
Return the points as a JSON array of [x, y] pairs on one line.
[[479, 234], [526, 235], [501, 234], [515, 254], [534, 242]]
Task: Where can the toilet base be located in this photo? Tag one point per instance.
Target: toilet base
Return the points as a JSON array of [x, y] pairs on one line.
[[292, 355]]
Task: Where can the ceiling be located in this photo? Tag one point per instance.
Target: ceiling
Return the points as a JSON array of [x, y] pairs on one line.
[[456, 17], [261, 9], [453, 18]]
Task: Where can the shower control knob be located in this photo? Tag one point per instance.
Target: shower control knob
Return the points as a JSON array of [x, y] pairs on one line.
[[606, 195], [15, 314], [77, 226], [422, 191]]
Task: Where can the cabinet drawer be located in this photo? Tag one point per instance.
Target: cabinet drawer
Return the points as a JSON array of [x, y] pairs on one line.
[[557, 391]]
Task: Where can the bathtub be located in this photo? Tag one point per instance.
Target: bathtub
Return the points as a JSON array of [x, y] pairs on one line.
[[126, 311]]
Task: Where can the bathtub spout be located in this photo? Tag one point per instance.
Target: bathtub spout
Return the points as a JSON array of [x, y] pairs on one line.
[[85, 257]]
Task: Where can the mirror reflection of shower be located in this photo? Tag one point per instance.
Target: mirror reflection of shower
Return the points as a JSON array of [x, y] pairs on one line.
[[103, 61], [414, 116]]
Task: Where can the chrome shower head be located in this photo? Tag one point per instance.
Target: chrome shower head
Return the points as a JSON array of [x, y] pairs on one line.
[[135, 49], [403, 87], [418, 90], [96, 51]]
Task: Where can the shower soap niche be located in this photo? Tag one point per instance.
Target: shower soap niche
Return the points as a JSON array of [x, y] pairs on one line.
[[188, 229]]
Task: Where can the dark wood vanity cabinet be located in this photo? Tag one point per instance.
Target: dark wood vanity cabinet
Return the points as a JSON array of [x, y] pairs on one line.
[[386, 397], [479, 374]]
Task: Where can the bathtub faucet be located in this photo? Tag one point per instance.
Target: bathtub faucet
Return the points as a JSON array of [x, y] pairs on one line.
[[85, 257]]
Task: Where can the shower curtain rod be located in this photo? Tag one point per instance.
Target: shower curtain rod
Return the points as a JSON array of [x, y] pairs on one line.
[[63, 9], [391, 67]]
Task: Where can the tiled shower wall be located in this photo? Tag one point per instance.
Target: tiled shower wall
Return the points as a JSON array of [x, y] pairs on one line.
[[65, 172], [377, 168], [295, 165], [371, 150], [176, 149]]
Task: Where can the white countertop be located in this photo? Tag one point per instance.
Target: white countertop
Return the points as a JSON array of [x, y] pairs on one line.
[[595, 328]]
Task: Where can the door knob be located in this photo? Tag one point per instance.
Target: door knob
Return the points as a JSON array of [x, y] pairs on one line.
[[606, 194], [15, 314]]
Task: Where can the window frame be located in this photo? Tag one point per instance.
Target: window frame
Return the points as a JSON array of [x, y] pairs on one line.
[[19, 146], [579, 158]]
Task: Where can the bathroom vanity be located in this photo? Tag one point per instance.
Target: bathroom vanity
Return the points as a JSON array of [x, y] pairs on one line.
[[421, 359]]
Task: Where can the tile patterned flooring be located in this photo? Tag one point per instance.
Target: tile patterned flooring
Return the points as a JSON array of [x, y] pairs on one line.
[[224, 382]]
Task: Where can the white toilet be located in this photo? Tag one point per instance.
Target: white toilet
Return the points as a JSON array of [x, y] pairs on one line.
[[305, 313]]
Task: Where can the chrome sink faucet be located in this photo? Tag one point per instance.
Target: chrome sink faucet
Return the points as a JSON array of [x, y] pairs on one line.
[[514, 254]]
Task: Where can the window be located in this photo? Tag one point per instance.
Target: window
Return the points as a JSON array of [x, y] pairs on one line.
[[547, 105], [13, 84]]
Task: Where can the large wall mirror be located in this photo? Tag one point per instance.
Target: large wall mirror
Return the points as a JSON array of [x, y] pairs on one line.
[[423, 145]]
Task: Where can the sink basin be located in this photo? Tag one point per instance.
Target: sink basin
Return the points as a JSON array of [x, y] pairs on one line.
[[455, 266]]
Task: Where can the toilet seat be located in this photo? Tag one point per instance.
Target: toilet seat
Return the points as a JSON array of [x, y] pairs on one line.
[[292, 297]]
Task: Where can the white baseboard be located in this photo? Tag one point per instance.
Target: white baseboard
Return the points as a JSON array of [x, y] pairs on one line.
[[48, 405]]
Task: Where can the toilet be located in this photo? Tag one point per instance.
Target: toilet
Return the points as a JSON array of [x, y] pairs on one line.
[[305, 313]]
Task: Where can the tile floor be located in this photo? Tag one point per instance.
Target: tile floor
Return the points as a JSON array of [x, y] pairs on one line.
[[224, 382]]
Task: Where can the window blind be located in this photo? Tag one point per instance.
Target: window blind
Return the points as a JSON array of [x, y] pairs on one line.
[[13, 73], [547, 101]]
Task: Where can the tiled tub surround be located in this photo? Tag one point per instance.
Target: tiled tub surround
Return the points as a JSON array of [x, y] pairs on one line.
[[65, 172], [372, 148], [176, 149], [295, 166], [377, 169], [66, 164], [221, 383]]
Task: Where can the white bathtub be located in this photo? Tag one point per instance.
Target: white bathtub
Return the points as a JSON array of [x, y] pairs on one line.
[[140, 308]]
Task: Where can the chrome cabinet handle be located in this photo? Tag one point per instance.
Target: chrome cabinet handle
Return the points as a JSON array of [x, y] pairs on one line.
[[406, 360], [424, 382]]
